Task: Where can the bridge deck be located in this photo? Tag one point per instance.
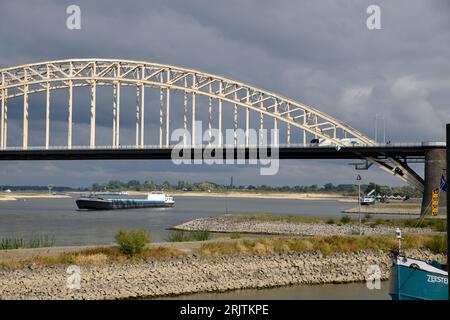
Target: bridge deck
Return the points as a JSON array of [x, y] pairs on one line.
[[402, 151]]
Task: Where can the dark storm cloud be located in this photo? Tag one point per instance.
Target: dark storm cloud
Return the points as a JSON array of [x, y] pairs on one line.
[[316, 52]]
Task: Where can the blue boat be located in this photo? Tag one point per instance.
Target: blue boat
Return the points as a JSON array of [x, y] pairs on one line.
[[413, 279]]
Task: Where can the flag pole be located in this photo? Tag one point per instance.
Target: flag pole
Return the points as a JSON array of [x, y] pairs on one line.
[[448, 198]]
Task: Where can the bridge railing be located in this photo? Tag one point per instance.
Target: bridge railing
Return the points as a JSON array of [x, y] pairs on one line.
[[225, 146]]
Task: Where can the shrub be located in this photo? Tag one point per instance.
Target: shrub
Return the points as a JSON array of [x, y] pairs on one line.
[[368, 216], [132, 242], [345, 219], [330, 221]]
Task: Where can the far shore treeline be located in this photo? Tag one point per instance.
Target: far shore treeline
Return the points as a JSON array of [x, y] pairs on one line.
[[206, 186], [350, 189], [25, 188]]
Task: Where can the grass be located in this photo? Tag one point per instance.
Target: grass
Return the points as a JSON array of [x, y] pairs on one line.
[[326, 245], [439, 225], [235, 235], [182, 236], [267, 217], [40, 241], [345, 219], [399, 205], [438, 244], [201, 235], [264, 246], [95, 256], [177, 236]]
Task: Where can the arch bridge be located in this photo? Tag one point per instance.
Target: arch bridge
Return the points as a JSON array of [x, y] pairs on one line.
[[201, 96]]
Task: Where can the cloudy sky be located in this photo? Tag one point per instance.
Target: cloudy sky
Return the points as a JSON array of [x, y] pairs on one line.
[[317, 52]]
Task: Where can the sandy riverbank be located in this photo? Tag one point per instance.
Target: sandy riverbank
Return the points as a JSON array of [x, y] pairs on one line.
[[394, 208], [262, 195], [193, 273], [231, 223], [16, 196]]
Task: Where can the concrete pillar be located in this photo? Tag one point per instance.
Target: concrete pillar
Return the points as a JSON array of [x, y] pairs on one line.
[[435, 166]]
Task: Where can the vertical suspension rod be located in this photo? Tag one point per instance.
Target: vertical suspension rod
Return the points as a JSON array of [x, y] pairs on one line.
[[194, 84], [161, 97], [185, 115], [220, 113], [25, 112], [142, 108], [210, 116], [168, 110]]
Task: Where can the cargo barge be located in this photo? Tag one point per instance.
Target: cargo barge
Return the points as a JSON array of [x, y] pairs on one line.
[[153, 200]]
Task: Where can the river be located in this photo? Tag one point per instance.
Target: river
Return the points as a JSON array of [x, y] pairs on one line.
[[60, 219]]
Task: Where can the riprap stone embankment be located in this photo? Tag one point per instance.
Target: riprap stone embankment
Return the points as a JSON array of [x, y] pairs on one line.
[[194, 273]]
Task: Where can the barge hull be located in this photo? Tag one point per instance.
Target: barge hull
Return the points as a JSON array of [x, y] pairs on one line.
[[87, 204]]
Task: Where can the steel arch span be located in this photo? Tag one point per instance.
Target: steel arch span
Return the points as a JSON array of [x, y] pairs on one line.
[[19, 82]]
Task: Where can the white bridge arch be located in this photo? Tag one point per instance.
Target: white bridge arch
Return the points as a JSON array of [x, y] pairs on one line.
[[25, 80]]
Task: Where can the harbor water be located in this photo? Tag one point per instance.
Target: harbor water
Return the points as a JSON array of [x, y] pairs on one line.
[[347, 291]]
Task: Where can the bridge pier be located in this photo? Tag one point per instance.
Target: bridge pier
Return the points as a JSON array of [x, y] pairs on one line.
[[435, 166]]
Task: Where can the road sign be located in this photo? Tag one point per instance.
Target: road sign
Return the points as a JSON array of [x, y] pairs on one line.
[[435, 202], [358, 177]]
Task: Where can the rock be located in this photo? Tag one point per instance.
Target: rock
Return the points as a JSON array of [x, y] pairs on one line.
[[195, 274]]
